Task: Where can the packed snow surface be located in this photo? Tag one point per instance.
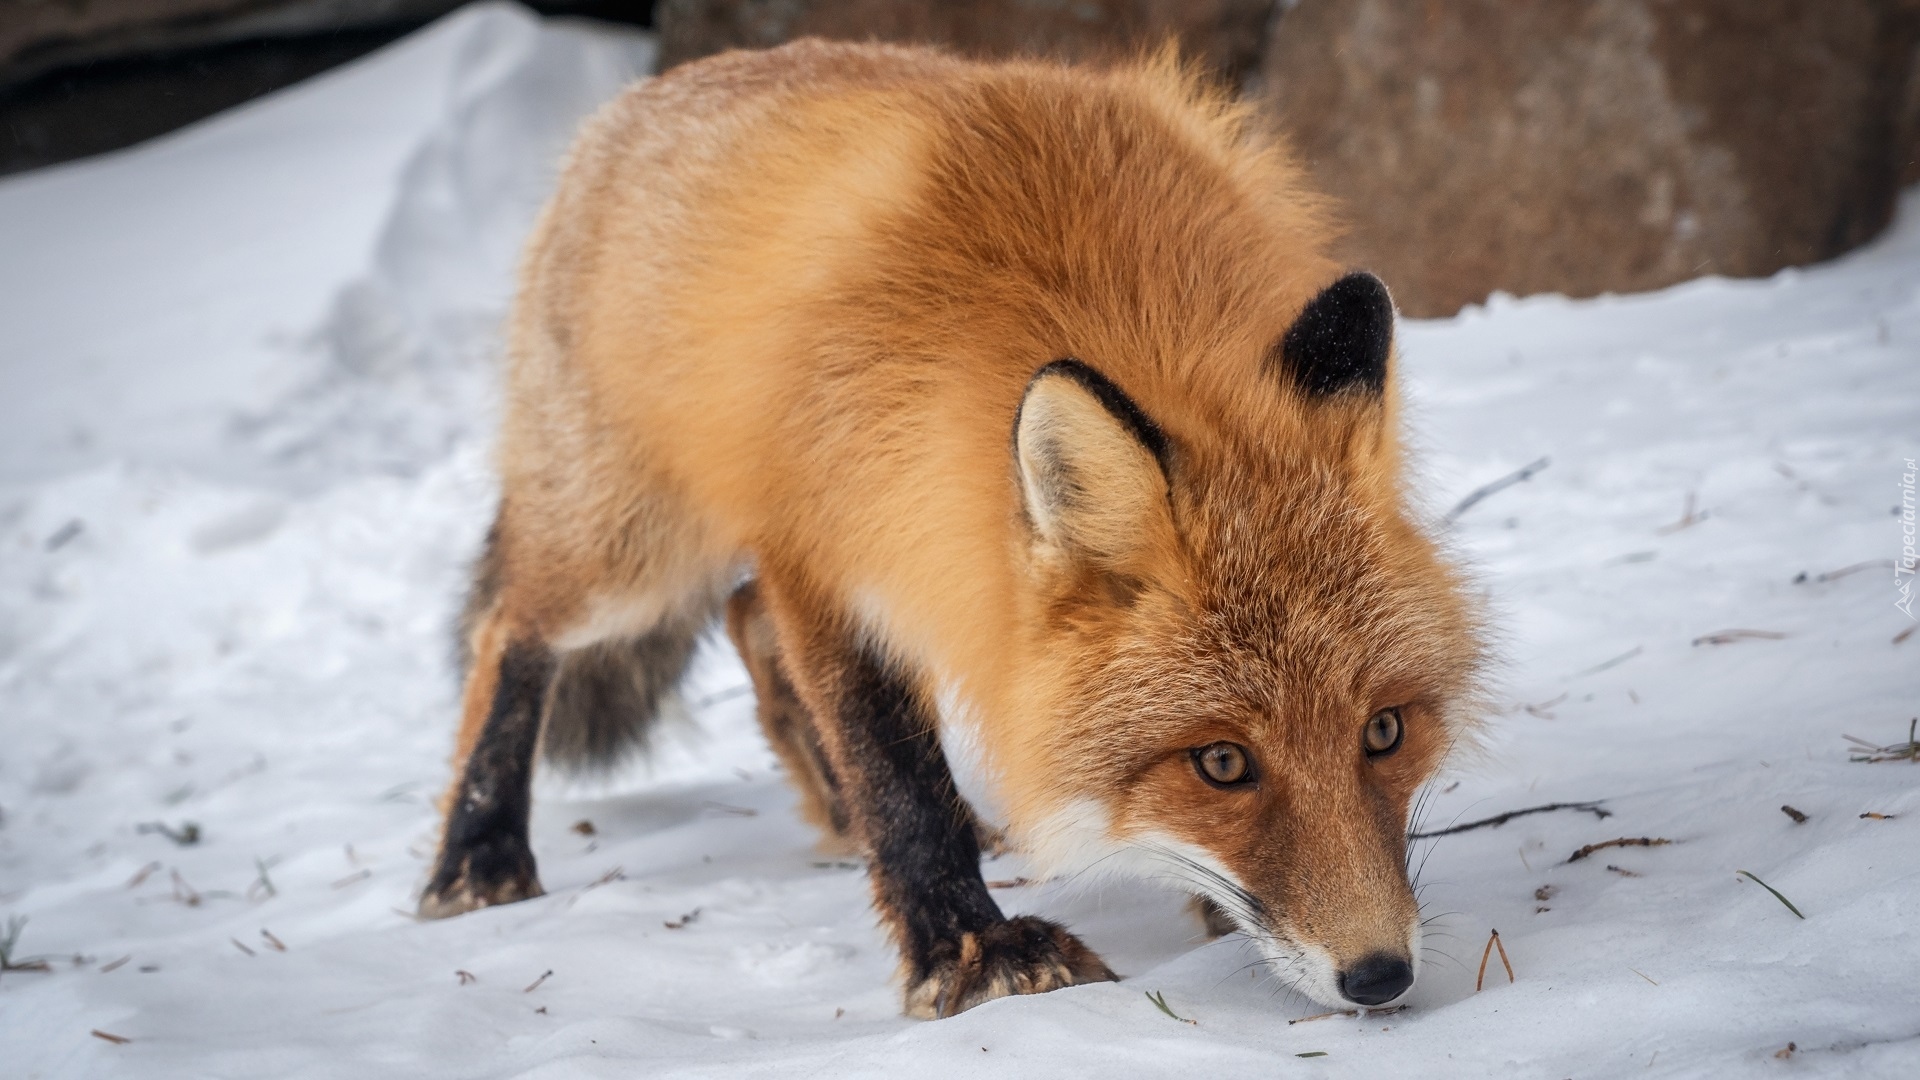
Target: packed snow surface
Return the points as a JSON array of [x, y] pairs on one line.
[[249, 375]]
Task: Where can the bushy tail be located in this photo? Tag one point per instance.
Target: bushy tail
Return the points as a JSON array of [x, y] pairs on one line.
[[606, 697]]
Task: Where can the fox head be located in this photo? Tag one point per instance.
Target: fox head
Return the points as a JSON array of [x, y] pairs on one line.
[[1250, 658]]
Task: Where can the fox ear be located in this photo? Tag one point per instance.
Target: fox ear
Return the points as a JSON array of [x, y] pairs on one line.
[[1341, 342], [1092, 465]]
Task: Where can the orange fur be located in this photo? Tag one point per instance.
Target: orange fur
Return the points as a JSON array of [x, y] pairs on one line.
[[779, 318]]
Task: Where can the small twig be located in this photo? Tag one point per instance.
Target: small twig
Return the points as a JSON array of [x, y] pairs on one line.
[[466, 977], [352, 879], [1728, 637], [1540, 710], [1624, 872], [238, 945], [608, 878], [1011, 883], [141, 875], [115, 965], [1688, 517], [1774, 891], [1874, 816], [1324, 1015], [1593, 808], [1624, 841], [1798, 817], [184, 892], [682, 921], [535, 984], [1312, 1053], [730, 811], [117, 1040], [187, 835], [1473, 497], [1606, 664], [1160, 1001], [1642, 974], [276, 943], [1835, 575], [1905, 634]]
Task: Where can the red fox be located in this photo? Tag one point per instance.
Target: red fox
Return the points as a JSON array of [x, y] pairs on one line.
[[1029, 406]]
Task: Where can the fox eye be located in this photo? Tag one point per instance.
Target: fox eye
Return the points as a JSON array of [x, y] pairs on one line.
[[1224, 764], [1383, 732]]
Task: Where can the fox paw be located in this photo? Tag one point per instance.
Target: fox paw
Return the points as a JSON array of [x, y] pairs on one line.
[[1023, 955], [480, 877]]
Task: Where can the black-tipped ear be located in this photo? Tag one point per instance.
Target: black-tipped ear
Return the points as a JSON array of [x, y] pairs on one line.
[[1092, 465], [1341, 341]]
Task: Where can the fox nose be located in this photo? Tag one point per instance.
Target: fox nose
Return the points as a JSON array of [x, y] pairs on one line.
[[1376, 979]]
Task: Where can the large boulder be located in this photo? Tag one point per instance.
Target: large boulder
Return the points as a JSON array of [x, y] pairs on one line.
[[1595, 147], [1226, 34]]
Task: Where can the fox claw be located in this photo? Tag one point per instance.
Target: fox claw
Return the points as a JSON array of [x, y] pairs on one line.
[[473, 882], [1024, 955]]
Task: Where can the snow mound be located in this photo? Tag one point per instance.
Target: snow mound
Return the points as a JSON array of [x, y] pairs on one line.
[[250, 374]]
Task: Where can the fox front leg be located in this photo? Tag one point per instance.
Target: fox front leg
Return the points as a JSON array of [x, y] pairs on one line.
[[956, 948]]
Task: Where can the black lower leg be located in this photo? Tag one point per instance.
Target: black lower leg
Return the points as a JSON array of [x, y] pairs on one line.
[[485, 858], [957, 949]]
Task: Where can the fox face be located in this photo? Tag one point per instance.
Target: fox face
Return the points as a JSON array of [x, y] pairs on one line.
[[1268, 658]]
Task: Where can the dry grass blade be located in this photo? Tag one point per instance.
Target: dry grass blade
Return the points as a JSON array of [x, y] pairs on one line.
[[9, 960], [1774, 891], [116, 964], [240, 945], [1906, 751], [1160, 1001], [1493, 942], [1624, 841], [276, 943], [117, 1040]]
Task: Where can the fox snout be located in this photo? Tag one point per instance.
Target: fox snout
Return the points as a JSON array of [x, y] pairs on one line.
[[1377, 979]]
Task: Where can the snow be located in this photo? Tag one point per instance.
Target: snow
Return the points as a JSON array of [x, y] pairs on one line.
[[248, 386]]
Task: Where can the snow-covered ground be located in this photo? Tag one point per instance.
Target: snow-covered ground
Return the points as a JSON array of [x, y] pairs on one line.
[[245, 391]]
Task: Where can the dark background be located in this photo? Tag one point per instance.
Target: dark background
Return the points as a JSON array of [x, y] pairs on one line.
[[1573, 146]]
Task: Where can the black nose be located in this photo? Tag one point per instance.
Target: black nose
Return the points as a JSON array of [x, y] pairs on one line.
[[1376, 979]]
